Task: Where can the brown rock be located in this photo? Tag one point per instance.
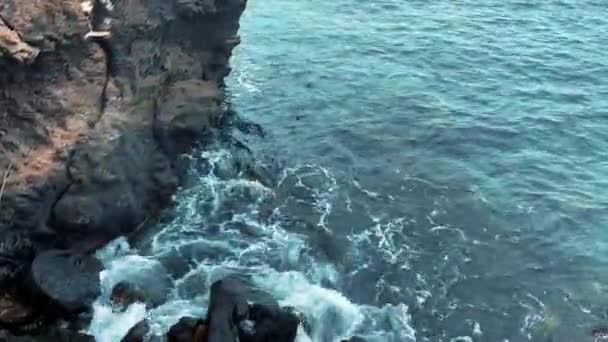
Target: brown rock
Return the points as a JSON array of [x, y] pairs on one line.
[[184, 330], [14, 47], [93, 128], [125, 294], [137, 333], [201, 333], [13, 312]]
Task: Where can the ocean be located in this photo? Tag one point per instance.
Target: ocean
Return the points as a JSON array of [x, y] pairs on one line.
[[399, 171]]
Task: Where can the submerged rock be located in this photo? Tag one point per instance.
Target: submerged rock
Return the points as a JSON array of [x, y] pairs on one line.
[[64, 283]]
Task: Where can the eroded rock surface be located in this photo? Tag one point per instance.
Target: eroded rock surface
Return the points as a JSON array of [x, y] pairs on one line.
[[91, 128], [64, 283], [92, 124]]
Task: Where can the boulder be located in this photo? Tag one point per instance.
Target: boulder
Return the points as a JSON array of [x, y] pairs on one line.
[[231, 318], [201, 334], [13, 312], [184, 330], [149, 283], [137, 333], [227, 306], [16, 251], [66, 283], [125, 294], [271, 324]]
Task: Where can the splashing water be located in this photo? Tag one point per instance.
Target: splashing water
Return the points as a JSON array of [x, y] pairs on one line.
[[221, 226]]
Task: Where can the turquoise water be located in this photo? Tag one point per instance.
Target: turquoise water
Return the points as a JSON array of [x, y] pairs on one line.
[[479, 132], [400, 171]]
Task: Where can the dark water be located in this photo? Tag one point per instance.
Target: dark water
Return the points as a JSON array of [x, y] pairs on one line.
[[430, 171]]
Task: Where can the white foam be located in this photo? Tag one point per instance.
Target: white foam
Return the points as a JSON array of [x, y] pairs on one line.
[[110, 326], [213, 255], [461, 339], [328, 311], [162, 318], [126, 268], [302, 336]]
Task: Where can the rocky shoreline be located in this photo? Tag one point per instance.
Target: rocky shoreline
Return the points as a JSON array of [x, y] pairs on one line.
[[98, 101]]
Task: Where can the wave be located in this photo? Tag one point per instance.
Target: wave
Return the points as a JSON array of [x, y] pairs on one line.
[[229, 223]]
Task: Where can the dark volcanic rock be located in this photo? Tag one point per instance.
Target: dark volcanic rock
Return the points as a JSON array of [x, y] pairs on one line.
[[14, 313], [137, 333], [64, 282], [48, 334], [151, 285], [16, 251], [184, 330], [272, 324], [92, 128], [125, 294], [229, 306], [115, 186]]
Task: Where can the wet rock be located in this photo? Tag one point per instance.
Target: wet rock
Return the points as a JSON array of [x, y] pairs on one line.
[[125, 294], [201, 334], [227, 306], [64, 282], [231, 318], [13, 312], [600, 334], [149, 284], [272, 324], [49, 334], [137, 333], [184, 330]]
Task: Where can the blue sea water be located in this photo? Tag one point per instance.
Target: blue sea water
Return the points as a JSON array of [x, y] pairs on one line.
[[438, 172]]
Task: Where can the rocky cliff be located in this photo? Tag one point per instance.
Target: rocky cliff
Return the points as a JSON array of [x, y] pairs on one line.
[[97, 101]]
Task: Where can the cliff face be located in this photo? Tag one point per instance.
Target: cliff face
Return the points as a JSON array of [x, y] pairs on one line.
[[90, 129]]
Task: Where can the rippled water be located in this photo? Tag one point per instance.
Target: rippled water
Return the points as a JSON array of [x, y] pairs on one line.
[[431, 171]]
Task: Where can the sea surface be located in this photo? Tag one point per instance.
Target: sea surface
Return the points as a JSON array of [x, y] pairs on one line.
[[399, 170]]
